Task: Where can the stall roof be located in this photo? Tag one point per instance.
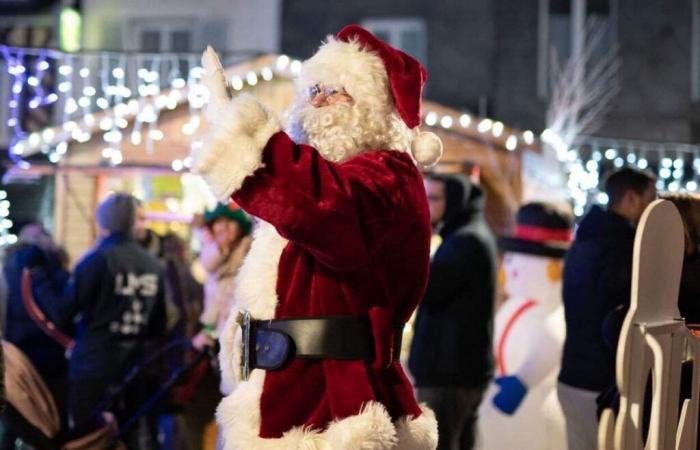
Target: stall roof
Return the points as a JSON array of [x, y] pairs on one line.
[[270, 77]]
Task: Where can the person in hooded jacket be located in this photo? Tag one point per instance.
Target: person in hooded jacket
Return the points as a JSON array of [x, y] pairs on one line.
[[451, 353], [597, 280], [35, 251], [116, 295]]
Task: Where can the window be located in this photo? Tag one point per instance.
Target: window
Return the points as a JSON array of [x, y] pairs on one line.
[[408, 35], [163, 36], [563, 29]]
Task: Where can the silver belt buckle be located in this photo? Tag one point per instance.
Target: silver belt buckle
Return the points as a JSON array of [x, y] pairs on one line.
[[243, 320]]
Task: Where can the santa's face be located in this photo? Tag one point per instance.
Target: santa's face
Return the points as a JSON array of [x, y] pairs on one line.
[[321, 96], [343, 104], [340, 125]]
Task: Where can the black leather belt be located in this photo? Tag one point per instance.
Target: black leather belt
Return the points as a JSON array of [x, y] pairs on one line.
[[271, 344]]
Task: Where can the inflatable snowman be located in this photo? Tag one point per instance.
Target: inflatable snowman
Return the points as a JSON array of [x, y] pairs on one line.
[[520, 409]]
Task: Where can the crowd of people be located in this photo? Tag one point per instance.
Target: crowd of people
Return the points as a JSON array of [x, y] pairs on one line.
[[105, 336], [134, 293], [341, 259], [453, 347]]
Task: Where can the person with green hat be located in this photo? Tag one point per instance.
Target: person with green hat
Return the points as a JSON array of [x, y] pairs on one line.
[[226, 240]]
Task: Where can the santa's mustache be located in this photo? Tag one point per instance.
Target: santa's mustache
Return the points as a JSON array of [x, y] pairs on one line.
[[341, 131], [329, 129]]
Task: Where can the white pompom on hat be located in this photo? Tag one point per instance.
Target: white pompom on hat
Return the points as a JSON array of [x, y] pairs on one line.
[[426, 148]]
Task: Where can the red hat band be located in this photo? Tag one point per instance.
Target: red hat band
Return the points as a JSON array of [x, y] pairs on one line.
[[542, 234]]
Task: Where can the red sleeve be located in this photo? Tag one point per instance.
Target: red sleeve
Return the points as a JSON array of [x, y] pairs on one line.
[[337, 211]]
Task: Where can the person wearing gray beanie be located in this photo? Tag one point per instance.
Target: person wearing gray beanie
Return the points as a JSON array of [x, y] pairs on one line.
[[117, 302], [116, 214]]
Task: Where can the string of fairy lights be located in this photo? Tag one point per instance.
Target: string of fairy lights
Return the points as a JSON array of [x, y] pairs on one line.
[[120, 97], [676, 166], [6, 237], [104, 92], [483, 125]]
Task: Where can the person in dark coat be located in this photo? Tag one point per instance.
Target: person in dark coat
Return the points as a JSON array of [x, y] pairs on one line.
[[117, 296], [34, 251], [597, 279], [688, 206], [451, 354]]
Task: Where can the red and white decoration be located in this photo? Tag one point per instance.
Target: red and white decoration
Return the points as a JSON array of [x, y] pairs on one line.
[[528, 339]]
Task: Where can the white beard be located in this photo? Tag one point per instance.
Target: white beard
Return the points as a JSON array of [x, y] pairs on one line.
[[342, 131]]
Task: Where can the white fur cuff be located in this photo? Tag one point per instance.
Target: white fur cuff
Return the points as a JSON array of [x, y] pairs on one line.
[[233, 148]]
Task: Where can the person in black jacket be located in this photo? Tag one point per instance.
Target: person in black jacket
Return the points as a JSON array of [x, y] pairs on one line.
[[688, 206], [597, 279], [116, 294], [34, 251], [451, 354]]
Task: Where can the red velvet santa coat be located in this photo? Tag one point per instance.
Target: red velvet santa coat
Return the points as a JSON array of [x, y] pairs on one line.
[[348, 239]]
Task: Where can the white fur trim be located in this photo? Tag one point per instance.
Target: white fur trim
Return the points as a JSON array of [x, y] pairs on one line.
[[255, 291], [230, 354], [256, 284], [233, 148], [239, 413], [371, 429], [418, 434]]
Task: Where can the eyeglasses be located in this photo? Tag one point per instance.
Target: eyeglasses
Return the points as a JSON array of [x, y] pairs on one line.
[[327, 91]]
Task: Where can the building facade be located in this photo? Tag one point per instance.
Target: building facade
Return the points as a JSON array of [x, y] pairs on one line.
[[493, 57]]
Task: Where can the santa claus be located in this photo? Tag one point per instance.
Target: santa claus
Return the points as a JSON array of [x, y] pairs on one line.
[[340, 260]]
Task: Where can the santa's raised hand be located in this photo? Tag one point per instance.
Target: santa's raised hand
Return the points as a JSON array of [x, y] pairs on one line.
[[214, 79], [242, 122]]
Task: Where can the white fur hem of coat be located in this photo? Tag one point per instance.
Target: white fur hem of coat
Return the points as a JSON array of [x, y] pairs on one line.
[[233, 149], [371, 429], [255, 291]]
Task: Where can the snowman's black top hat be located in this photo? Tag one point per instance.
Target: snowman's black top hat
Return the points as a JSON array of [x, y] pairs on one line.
[[541, 229]]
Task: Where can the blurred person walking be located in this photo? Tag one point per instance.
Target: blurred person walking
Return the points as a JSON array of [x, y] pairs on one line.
[[226, 241], [116, 294], [688, 206], [36, 252], [597, 280], [183, 422], [451, 354]]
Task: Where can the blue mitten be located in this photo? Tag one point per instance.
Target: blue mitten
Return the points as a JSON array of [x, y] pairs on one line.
[[511, 394]]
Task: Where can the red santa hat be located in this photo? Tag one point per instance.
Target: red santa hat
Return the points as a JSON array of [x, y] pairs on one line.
[[405, 75]]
